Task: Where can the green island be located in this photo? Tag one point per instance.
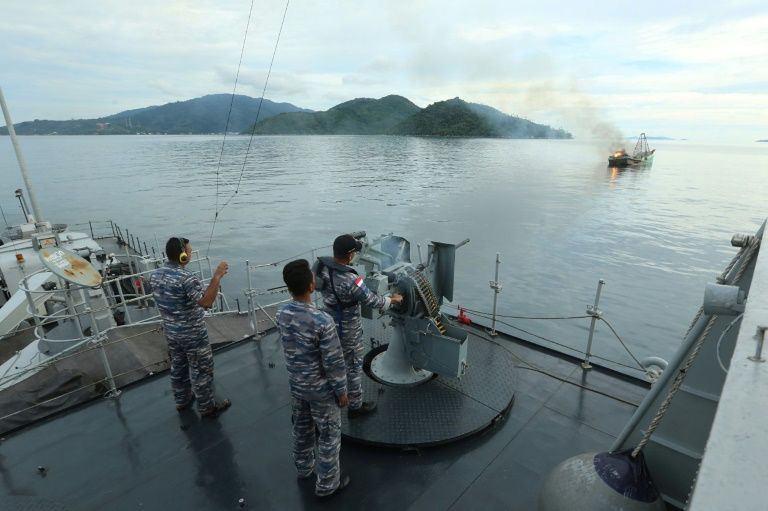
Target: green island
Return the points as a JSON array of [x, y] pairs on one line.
[[390, 115]]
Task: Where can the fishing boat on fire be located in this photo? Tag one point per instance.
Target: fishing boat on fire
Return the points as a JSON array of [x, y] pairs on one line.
[[641, 156]]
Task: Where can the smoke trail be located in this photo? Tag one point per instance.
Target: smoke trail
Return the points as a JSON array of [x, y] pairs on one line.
[[579, 113]]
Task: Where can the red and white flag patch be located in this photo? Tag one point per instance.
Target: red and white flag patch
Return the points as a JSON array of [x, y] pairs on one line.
[[359, 281]]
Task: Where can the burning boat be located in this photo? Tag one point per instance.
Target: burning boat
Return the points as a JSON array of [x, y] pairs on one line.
[[641, 156]]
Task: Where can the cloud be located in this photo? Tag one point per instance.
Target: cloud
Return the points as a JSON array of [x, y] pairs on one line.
[[706, 65]]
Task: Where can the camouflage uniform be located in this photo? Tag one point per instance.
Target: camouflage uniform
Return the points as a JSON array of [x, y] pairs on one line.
[[342, 297], [317, 377], [176, 291]]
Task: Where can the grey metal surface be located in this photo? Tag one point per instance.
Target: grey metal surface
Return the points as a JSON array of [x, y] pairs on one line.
[[29, 503], [675, 449], [150, 457], [734, 469], [440, 410], [133, 352]]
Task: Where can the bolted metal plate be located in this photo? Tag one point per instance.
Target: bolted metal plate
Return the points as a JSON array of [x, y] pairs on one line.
[[70, 266], [440, 410]]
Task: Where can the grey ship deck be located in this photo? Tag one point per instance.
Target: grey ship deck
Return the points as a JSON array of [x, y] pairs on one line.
[[139, 453]]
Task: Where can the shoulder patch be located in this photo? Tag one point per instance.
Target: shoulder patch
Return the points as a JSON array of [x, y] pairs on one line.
[[359, 281]]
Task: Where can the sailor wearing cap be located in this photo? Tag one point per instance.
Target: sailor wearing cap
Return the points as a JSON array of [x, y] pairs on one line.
[[343, 292]]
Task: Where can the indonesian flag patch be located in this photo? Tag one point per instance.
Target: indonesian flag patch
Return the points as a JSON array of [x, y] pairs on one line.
[[359, 281]]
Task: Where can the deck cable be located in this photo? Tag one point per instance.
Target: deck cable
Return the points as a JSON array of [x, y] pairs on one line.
[[533, 367], [253, 128], [488, 315]]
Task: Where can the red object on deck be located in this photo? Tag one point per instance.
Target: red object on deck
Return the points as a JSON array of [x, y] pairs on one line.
[[463, 318]]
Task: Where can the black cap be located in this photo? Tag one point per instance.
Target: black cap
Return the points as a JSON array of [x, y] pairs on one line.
[[346, 244]]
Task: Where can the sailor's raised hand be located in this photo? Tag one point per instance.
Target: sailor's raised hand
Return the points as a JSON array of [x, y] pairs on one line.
[[221, 269], [396, 298]]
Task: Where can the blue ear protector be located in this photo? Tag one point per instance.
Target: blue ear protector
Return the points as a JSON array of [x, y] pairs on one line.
[[183, 257]]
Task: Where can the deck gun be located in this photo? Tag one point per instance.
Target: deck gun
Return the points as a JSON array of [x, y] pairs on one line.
[[423, 343]]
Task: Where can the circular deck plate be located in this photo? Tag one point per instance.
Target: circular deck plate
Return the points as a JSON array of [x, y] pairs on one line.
[[70, 266], [441, 410], [413, 377]]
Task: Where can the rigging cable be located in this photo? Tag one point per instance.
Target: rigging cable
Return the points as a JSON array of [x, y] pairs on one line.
[[253, 129], [229, 115]]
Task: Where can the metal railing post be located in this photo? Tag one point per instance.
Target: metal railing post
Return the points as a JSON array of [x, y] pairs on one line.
[[72, 308], [32, 307], [496, 286], [593, 311], [251, 312], [130, 261], [113, 392], [91, 226], [122, 300], [760, 338]]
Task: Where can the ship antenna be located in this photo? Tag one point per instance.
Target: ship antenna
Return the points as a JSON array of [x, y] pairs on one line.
[[22, 162], [253, 129]]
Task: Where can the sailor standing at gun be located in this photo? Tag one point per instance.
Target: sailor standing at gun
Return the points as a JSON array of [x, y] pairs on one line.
[[318, 381], [180, 298], [343, 291]]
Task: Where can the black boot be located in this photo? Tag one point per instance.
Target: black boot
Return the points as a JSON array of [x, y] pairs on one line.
[[368, 407]]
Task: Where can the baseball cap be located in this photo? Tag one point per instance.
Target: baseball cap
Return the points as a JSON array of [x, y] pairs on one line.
[[345, 244]]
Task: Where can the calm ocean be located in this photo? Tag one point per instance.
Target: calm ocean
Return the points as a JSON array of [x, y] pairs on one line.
[[559, 217]]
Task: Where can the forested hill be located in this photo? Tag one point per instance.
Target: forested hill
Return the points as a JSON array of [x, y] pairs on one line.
[[207, 114], [362, 116], [390, 115], [396, 115]]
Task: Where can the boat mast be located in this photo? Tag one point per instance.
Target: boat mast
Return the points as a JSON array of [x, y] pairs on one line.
[[20, 157]]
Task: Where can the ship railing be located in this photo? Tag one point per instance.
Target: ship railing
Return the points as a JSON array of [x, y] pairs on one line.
[[91, 314], [649, 368], [253, 295], [76, 305], [108, 229]]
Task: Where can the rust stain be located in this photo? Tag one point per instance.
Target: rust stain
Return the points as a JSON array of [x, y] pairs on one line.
[[79, 264]]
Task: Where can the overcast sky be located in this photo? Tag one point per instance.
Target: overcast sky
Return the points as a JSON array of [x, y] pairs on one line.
[[696, 70]]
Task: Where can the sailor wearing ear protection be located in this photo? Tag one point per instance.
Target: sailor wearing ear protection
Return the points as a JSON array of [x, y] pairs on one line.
[[181, 301]]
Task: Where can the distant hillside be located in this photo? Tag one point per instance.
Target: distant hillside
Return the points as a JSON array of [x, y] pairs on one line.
[[452, 118], [457, 118], [207, 114], [766, 140], [396, 115], [362, 116], [509, 126]]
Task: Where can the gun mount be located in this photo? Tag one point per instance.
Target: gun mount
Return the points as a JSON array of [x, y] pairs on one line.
[[422, 343]]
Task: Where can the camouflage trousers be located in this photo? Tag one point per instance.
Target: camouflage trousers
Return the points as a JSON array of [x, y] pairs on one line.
[[353, 358], [326, 416], [192, 371]]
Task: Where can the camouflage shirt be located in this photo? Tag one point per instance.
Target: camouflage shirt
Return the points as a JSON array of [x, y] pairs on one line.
[[349, 289], [177, 291], [313, 355]]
